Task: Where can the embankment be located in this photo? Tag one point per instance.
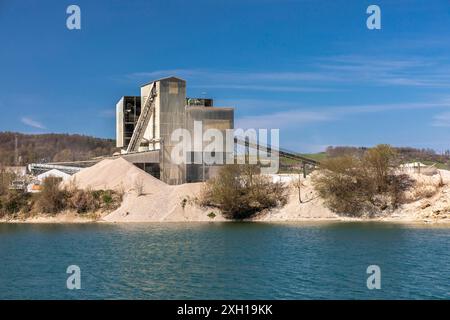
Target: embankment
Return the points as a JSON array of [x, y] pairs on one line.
[[147, 199]]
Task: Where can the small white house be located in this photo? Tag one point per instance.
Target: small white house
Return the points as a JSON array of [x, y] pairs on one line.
[[53, 173], [35, 185], [418, 167], [283, 177]]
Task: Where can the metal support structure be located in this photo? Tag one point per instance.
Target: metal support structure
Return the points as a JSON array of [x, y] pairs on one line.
[[46, 167], [146, 111], [282, 153]]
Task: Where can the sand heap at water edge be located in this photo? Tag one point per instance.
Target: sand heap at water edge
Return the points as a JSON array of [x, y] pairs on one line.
[[157, 201], [115, 174]]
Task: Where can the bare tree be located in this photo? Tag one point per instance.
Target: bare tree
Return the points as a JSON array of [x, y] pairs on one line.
[[139, 186], [298, 185]]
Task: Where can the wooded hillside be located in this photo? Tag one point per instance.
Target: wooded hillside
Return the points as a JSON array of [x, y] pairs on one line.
[[51, 147]]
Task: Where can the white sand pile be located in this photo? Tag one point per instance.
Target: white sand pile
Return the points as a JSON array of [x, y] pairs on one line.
[[117, 174], [157, 202], [174, 203]]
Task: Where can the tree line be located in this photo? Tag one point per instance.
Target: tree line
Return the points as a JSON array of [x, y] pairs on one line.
[[51, 148]]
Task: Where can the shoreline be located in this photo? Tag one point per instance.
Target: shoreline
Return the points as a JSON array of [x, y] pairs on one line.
[[427, 203], [73, 219]]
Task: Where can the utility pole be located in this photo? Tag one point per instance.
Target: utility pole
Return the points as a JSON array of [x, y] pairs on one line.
[[304, 170], [203, 167], [299, 186], [16, 151]]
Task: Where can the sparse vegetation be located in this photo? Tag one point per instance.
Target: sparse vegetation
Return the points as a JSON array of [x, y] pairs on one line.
[[366, 184], [240, 192], [183, 203], [298, 184], [423, 190], [5, 180], [14, 202], [83, 201], [139, 186], [53, 200], [211, 215], [403, 154]]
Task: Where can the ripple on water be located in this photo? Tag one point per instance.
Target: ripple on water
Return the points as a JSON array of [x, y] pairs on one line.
[[225, 260]]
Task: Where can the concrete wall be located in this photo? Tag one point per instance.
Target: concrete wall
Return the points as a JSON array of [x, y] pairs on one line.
[[169, 115], [211, 118], [172, 117]]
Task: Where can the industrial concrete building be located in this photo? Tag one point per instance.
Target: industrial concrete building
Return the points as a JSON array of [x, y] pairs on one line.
[[144, 125]]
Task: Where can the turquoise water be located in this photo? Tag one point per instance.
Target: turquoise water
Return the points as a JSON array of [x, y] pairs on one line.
[[224, 261]]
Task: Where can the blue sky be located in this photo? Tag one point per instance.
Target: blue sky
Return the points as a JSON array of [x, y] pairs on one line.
[[310, 68]]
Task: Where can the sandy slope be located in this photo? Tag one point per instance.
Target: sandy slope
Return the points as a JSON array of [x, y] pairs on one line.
[[428, 201], [310, 208], [163, 205], [159, 201], [115, 174]]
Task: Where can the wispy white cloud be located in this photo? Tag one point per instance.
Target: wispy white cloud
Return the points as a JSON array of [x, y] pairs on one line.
[[320, 75], [302, 115], [412, 71], [144, 76], [283, 119], [441, 120], [32, 123], [107, 113], [259, 104], [240, 80], [228, 76], [273, 88]]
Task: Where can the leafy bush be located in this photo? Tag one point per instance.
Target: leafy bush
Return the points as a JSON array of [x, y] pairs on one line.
[[240, 192], [109, 199], [211, 215], [357, 186]]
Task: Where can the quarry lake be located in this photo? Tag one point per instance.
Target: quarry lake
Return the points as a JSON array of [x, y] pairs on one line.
[[224, 261]]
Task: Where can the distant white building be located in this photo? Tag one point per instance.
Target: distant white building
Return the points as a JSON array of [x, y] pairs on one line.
[[53, 173], [418, 167], [35, 185], [413, 165], [283, 177]]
